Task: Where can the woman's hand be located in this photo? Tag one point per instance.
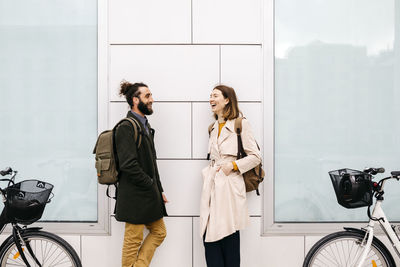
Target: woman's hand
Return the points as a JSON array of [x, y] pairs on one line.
[[227, 168]]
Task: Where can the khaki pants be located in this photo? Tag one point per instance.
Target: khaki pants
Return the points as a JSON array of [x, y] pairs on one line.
[[138, 254]]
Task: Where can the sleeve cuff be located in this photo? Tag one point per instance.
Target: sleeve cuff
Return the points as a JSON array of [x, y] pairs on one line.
[[235, 167]]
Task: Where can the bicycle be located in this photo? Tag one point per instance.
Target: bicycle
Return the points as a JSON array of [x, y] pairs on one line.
[[24, 203], [357, 247]]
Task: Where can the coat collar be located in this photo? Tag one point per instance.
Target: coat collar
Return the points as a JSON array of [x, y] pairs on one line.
[[227, 130], [230, 125], [142, 129]]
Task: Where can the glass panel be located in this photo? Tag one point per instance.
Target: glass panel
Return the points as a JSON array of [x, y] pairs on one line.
[[337, 89], [48, 111]]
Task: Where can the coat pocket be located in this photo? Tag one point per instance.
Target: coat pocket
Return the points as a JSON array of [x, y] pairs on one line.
[[237, 185]]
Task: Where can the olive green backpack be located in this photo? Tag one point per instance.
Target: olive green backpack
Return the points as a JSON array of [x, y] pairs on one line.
[[106, 156]]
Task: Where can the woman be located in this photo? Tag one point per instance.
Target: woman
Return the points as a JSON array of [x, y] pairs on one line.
[[223, 207]]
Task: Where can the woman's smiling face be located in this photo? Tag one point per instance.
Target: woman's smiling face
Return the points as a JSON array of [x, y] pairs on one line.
[[218, 102]]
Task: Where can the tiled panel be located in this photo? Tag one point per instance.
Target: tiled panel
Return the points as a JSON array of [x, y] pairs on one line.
[[258, 251], [241, 68], [202, 118], [254, 202], [105, 251], [172, 72], [150, 21], [182, 183], [176, 250], [253, 112], [172, 123], [116, 112], [198, 247], [227, 21]]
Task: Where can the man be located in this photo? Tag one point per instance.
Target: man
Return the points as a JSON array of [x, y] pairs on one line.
[[140, 198]]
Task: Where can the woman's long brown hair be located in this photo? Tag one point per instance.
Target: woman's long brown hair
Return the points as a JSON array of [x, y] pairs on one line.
[[231, 110]]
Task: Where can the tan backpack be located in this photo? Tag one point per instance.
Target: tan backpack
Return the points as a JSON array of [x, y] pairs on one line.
[[106, 156], [253, 177]]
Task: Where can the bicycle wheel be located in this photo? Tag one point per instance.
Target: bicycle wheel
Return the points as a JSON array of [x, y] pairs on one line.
[[344, 249], [49, 249]]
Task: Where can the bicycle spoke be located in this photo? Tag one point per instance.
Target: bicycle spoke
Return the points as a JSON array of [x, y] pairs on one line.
[[345, 252], [49, 253]]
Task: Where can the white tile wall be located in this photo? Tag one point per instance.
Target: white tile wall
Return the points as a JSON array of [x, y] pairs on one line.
[[172, 123], [150, 21], [176, 250], [241, 68], [116, 112], [253, 112], [227, 21], [202, 118], [105, 251], [172, 72], [182, 183]]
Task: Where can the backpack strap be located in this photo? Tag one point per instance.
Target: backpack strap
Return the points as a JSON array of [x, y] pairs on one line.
[[210, 127], [238, 130], [137, 135], [137, 130]]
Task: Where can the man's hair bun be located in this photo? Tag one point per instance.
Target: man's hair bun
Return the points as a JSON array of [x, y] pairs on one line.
[[125, 86]]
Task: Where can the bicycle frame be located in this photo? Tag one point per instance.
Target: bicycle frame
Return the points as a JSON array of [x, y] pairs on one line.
[[379, 214]]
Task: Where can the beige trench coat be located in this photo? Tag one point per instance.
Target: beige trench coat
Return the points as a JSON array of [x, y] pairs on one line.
[[223, 207]]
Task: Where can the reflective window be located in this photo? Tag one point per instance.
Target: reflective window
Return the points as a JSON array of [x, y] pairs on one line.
[[337, 93], [48, 111]]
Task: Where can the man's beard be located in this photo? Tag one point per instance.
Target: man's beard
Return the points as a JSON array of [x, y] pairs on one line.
[[144, 108]]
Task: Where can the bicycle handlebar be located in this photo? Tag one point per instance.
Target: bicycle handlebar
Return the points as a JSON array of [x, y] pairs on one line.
[[6, 171], [374, 171]]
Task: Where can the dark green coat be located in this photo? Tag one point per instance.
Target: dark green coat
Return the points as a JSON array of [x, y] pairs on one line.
[[139, 199]]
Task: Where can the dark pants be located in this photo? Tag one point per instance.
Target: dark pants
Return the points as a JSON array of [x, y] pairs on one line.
[[224, 252]]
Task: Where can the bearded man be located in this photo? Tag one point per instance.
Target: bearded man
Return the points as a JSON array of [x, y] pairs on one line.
[[140, 198]]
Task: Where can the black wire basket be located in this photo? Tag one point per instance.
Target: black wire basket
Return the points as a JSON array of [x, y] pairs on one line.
[[352, 188], [26, 201]]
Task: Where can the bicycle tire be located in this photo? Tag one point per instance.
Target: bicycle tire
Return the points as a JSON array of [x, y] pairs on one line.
[[49, 249], [343, 249]]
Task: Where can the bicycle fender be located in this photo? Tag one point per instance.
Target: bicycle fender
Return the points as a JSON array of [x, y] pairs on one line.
[[350, 229], [30, 229]]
